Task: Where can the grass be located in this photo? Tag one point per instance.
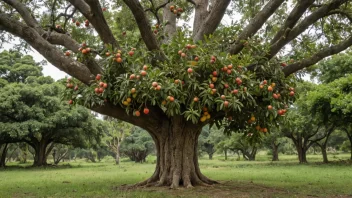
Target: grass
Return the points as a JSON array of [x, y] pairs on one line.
[[261, 178]]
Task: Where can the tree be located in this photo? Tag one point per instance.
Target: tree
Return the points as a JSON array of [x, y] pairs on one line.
[[33, 113], [258, 47], [115, 135], [208, 140], [138, 145], [273, 141]]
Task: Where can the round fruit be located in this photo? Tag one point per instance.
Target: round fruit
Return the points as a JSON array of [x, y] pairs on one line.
[[188, 46], [223, 97], [214, 79], [196, 58], [265, 82], [98, 77], [84, 51], [143, 73], [212, 86], [226, 103], [204, 109], [69, 79], [78, 23], [213, 58], [132, 76], [273, 84], [283, 64], [270, 107], [172, 8], [252, 118], [238, 79], [270, 88], [291, 89], [215, 73], [105, 85], [138, 77], [137, 113], [158, 88], [229, 66], [67, 53], [244, 89], [131, 53], [107, 54], [193, 46], [257, 127], [76, 88], [180, 52], [163, 102], [146, 110], [119, 60], [275, 96], [154, 84], [70, 102], [229, 71], [125, 103], [214, 91], [155, 31], [261, 86], [177, 81], [145, 67], [212, 61], [118, 55], [190, 70], [226, 86], [203, 118], [133, 90], [265, 130], [183, 55], [235, 91], [96, 90], [128, 100], [292, 93], [104, 9], [101, 84], [195, 99], [101, 90], [171, 99]]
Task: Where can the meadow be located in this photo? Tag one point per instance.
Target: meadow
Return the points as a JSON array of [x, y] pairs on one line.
[[261, 178]]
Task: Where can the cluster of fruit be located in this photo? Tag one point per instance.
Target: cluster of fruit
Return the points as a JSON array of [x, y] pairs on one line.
[[101, 85], [70, 85], [176, 11]]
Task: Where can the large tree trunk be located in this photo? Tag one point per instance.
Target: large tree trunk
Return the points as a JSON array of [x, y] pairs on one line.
[[301, 154], [40, 153], [177, 160], [3, 156], [275, 148], [325, 155]]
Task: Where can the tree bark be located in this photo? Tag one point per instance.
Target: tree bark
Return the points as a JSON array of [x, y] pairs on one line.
[[3, 156], [225, 151], [117, 159], [275, 152], [177, 161], [301, 154], [40, 153], [325, 155], [210, 156]]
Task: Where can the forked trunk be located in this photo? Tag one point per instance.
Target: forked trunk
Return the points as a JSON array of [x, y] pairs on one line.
[[40, 154], [177, 160], [302, 155]]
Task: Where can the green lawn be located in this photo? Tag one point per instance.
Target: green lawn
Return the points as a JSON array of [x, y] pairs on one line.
[[261, 178]]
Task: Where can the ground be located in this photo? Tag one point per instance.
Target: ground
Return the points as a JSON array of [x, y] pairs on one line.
[[262, 178]]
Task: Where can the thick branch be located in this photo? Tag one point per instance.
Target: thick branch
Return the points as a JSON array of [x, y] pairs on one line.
[[169, 18], [301, 27], [93, 12], [318, 56], [143, 24], [256, 23], [24, 12], [343, 13], [213, 20], [52, 54], [293, 18], [201, 13]]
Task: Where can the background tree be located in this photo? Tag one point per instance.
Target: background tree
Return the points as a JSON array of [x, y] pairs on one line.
[[259, 44], [115, 134], [138, 145], [273, 141], [208, 140]]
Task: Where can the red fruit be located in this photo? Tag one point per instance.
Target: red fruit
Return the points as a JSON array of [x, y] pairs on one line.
[[171, 99], [132, 76], [228, 71], [275, 96], [226, 86], [87, 24], [154, 84], [172, 8], [189, 70], [119, 60], [224, 68], [146, 110], [68, 85], [283, 64], [292, 93], [226, 103], [101, 90], [101, 84], [78, 23], [76, 88], [88, 49], [239, 82], [291, 89], [223, 97], [265, 82], [229, 66], [96, 90], [180, 52], [180, 10], [183, 55], [145, 67], [70, 102], [215, 73], [84, 44], [131, 53], [196, 58], [67, 53], [98, 77], [280, 112], [118, 55], [104, 9], [270, 107], [84, 51], [212, 86], [212, 61], [238, 79], [143, 73], [105, 85], [155, 31], [235, 91], [177, 81], [158, 88], [195, 99], [214, 91], [213, 58], [188, 46], [137, 113], [265, 130]]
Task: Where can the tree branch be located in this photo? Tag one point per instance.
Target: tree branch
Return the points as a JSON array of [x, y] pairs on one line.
[[292, 18], [318, 56], [192, 2], [24, 12], [213, 20], [52, 54], [169, 18], [289, 35], [343, 13], [201, 13], [256, 23], [143, 24], [92, 10]]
